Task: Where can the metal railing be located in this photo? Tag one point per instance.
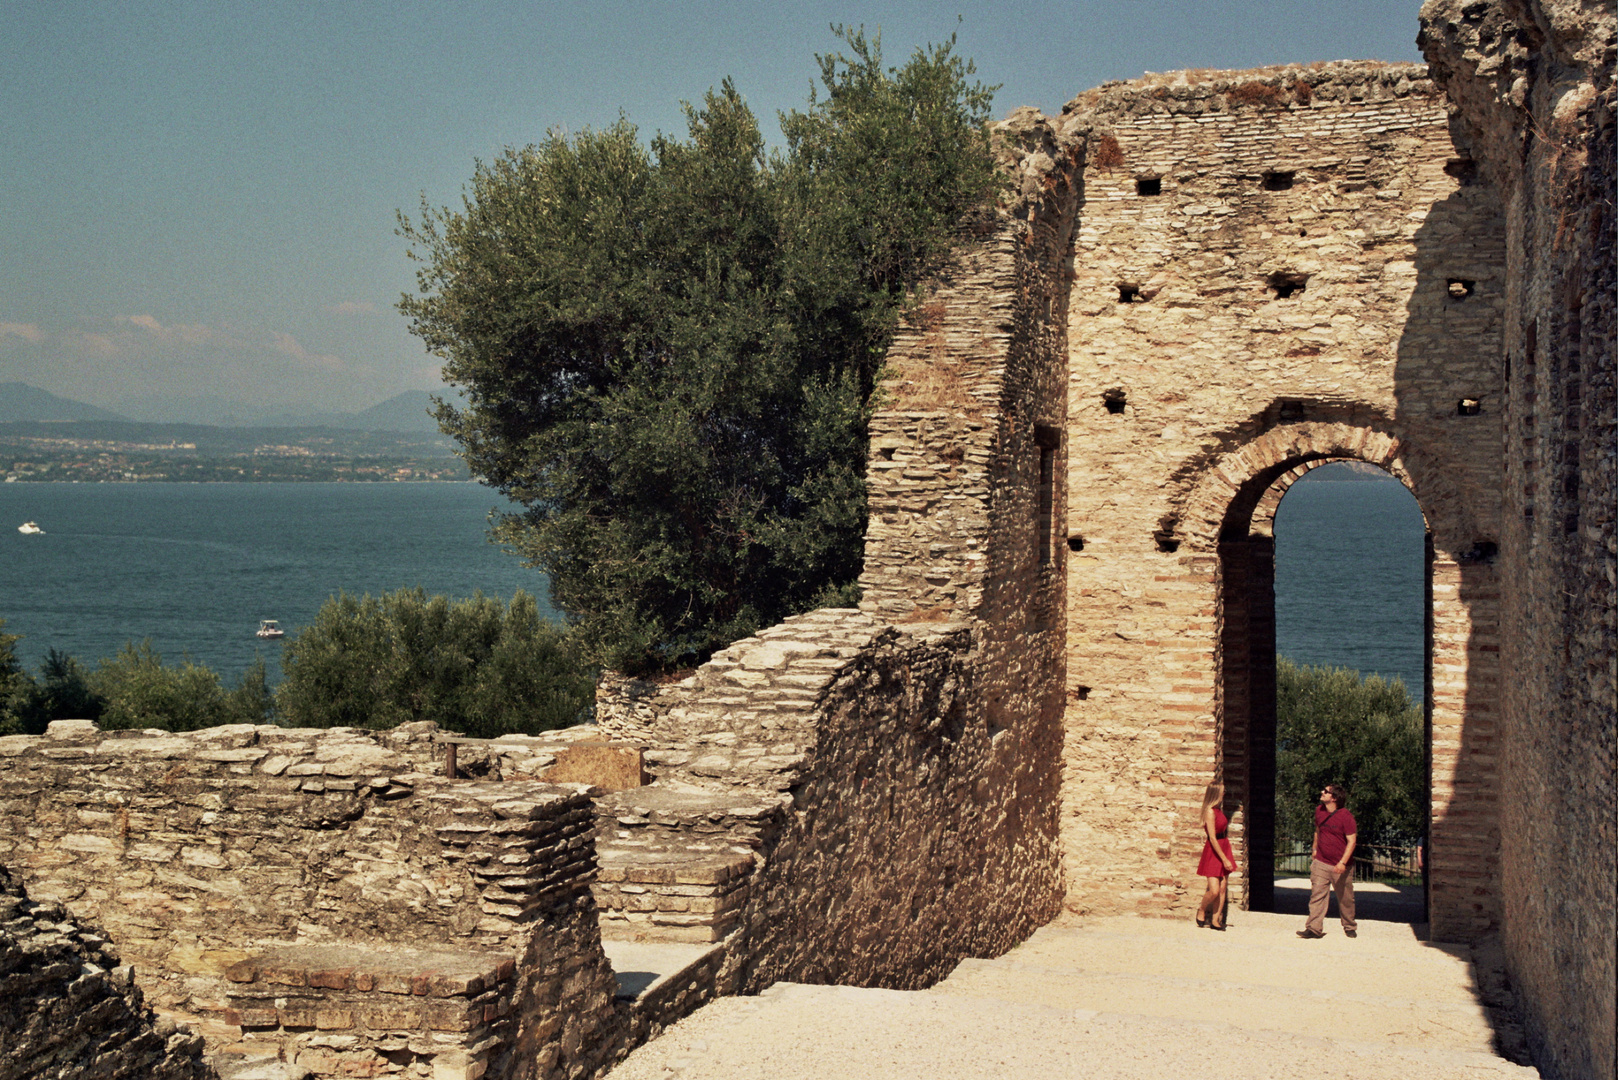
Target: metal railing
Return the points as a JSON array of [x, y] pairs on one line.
[[1372, 862]]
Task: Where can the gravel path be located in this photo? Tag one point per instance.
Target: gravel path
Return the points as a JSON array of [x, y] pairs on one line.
[[1119, 998]]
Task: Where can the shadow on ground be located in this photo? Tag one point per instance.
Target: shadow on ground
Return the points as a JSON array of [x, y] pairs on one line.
[[1372, 900]]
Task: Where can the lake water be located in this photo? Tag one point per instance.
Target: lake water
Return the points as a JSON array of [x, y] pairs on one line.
[[194, 567], [1349, 577]]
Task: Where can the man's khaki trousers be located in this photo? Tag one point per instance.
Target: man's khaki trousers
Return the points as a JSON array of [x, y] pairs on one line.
[[1323, 881]]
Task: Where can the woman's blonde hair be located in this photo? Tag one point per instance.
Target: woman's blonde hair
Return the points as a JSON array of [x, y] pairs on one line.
[[1213, 796]]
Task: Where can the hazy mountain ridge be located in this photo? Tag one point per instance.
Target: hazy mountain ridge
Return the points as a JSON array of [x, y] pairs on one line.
[[406, 412], [19, 401]]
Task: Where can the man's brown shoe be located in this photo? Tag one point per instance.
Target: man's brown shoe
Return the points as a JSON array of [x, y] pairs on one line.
[[1350, 933], [1311, 934]]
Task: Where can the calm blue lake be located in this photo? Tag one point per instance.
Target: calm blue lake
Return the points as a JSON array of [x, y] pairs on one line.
[[1349, 577], [194, 567]]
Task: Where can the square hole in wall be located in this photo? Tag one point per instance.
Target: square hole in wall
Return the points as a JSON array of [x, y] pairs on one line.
[[1114, 401], [1278, 181], [1075, 543], [1459, 289], [1129, 294], [1167, 542], [1287, 284], [1469, 406], [1148, 185]]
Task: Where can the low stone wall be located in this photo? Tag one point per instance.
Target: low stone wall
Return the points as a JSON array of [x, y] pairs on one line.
[[904, 836], [342, 1010], [69, 1008], [202, 851]]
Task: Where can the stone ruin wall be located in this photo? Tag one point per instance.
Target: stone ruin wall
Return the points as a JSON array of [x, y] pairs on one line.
[[1531, 86], [1273, 269], [72, 1006], [412, 924]]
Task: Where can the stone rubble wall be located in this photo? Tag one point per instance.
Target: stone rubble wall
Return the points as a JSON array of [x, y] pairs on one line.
[[1196, 385], [69, 1007], [1531, 87], [199, 851], [915, 837]]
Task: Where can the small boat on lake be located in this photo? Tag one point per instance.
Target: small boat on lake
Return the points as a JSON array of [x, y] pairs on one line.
[[269, 628], [28, 528]]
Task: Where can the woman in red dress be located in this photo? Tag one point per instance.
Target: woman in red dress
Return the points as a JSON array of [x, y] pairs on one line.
[[1217, 859]]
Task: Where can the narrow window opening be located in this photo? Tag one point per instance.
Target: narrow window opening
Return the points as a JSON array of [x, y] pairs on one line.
[[1075, 543], [1114, 401], [1149, 185], [1047, 502], [1129, 294], [1167, 542], [1286, 284], [1278, 181], [887, 453], [1082, 693], [1468, 406], [1459, 289]]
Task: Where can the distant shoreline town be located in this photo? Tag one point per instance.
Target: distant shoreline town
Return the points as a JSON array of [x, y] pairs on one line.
[[126, 452]]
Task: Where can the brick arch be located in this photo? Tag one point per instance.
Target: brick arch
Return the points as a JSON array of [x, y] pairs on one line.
[[1224, 501], [1262, 521]]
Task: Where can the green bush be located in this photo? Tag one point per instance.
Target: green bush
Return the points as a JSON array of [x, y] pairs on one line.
[[15, 685], [474, 666], [139, 691], [62, 692], [1335, 726]]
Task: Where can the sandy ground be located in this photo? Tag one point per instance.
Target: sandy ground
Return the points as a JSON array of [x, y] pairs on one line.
[[1123, 998]]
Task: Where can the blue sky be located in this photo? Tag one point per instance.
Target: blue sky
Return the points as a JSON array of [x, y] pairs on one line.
[[197, 199]]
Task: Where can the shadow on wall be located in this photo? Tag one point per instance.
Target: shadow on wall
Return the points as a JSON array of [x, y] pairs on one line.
[[1447, 387]]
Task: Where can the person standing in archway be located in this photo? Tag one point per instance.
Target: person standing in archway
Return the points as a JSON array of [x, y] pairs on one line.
[[1218, 862], [1331, 863]]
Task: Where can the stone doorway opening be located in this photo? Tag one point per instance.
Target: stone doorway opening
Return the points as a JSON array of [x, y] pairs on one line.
[[1357, 594]]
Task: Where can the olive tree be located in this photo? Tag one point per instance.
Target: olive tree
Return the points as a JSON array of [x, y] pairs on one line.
[[668, 349]]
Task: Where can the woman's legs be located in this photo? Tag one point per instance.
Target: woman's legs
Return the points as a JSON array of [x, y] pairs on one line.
[[1216, 916], [1210, 900]]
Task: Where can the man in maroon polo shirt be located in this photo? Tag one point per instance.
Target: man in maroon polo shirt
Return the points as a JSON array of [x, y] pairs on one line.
[[1331, 863]]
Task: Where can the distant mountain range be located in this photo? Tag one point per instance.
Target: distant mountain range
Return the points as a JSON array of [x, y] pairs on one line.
[[406, 412], [19, 401]]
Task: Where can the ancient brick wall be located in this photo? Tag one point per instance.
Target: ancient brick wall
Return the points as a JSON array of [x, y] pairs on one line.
[[69, 1007], [202, 851], [1271, 268], [1531, 86]]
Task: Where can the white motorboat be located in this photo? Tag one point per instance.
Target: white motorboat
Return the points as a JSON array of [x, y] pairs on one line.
[[269, 628], [28, 528]]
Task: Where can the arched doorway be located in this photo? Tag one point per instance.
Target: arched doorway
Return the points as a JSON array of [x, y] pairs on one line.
[[1367, 607], [1231, 510]]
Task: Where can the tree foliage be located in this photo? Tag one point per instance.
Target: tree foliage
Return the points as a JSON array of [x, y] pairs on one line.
[[475, 666], [668, 351], [1335, 726]]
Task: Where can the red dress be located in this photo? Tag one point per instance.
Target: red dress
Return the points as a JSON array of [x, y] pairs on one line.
[[1210, 866]]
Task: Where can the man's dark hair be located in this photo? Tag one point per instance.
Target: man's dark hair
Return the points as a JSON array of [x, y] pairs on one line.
[[1338, 794]]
